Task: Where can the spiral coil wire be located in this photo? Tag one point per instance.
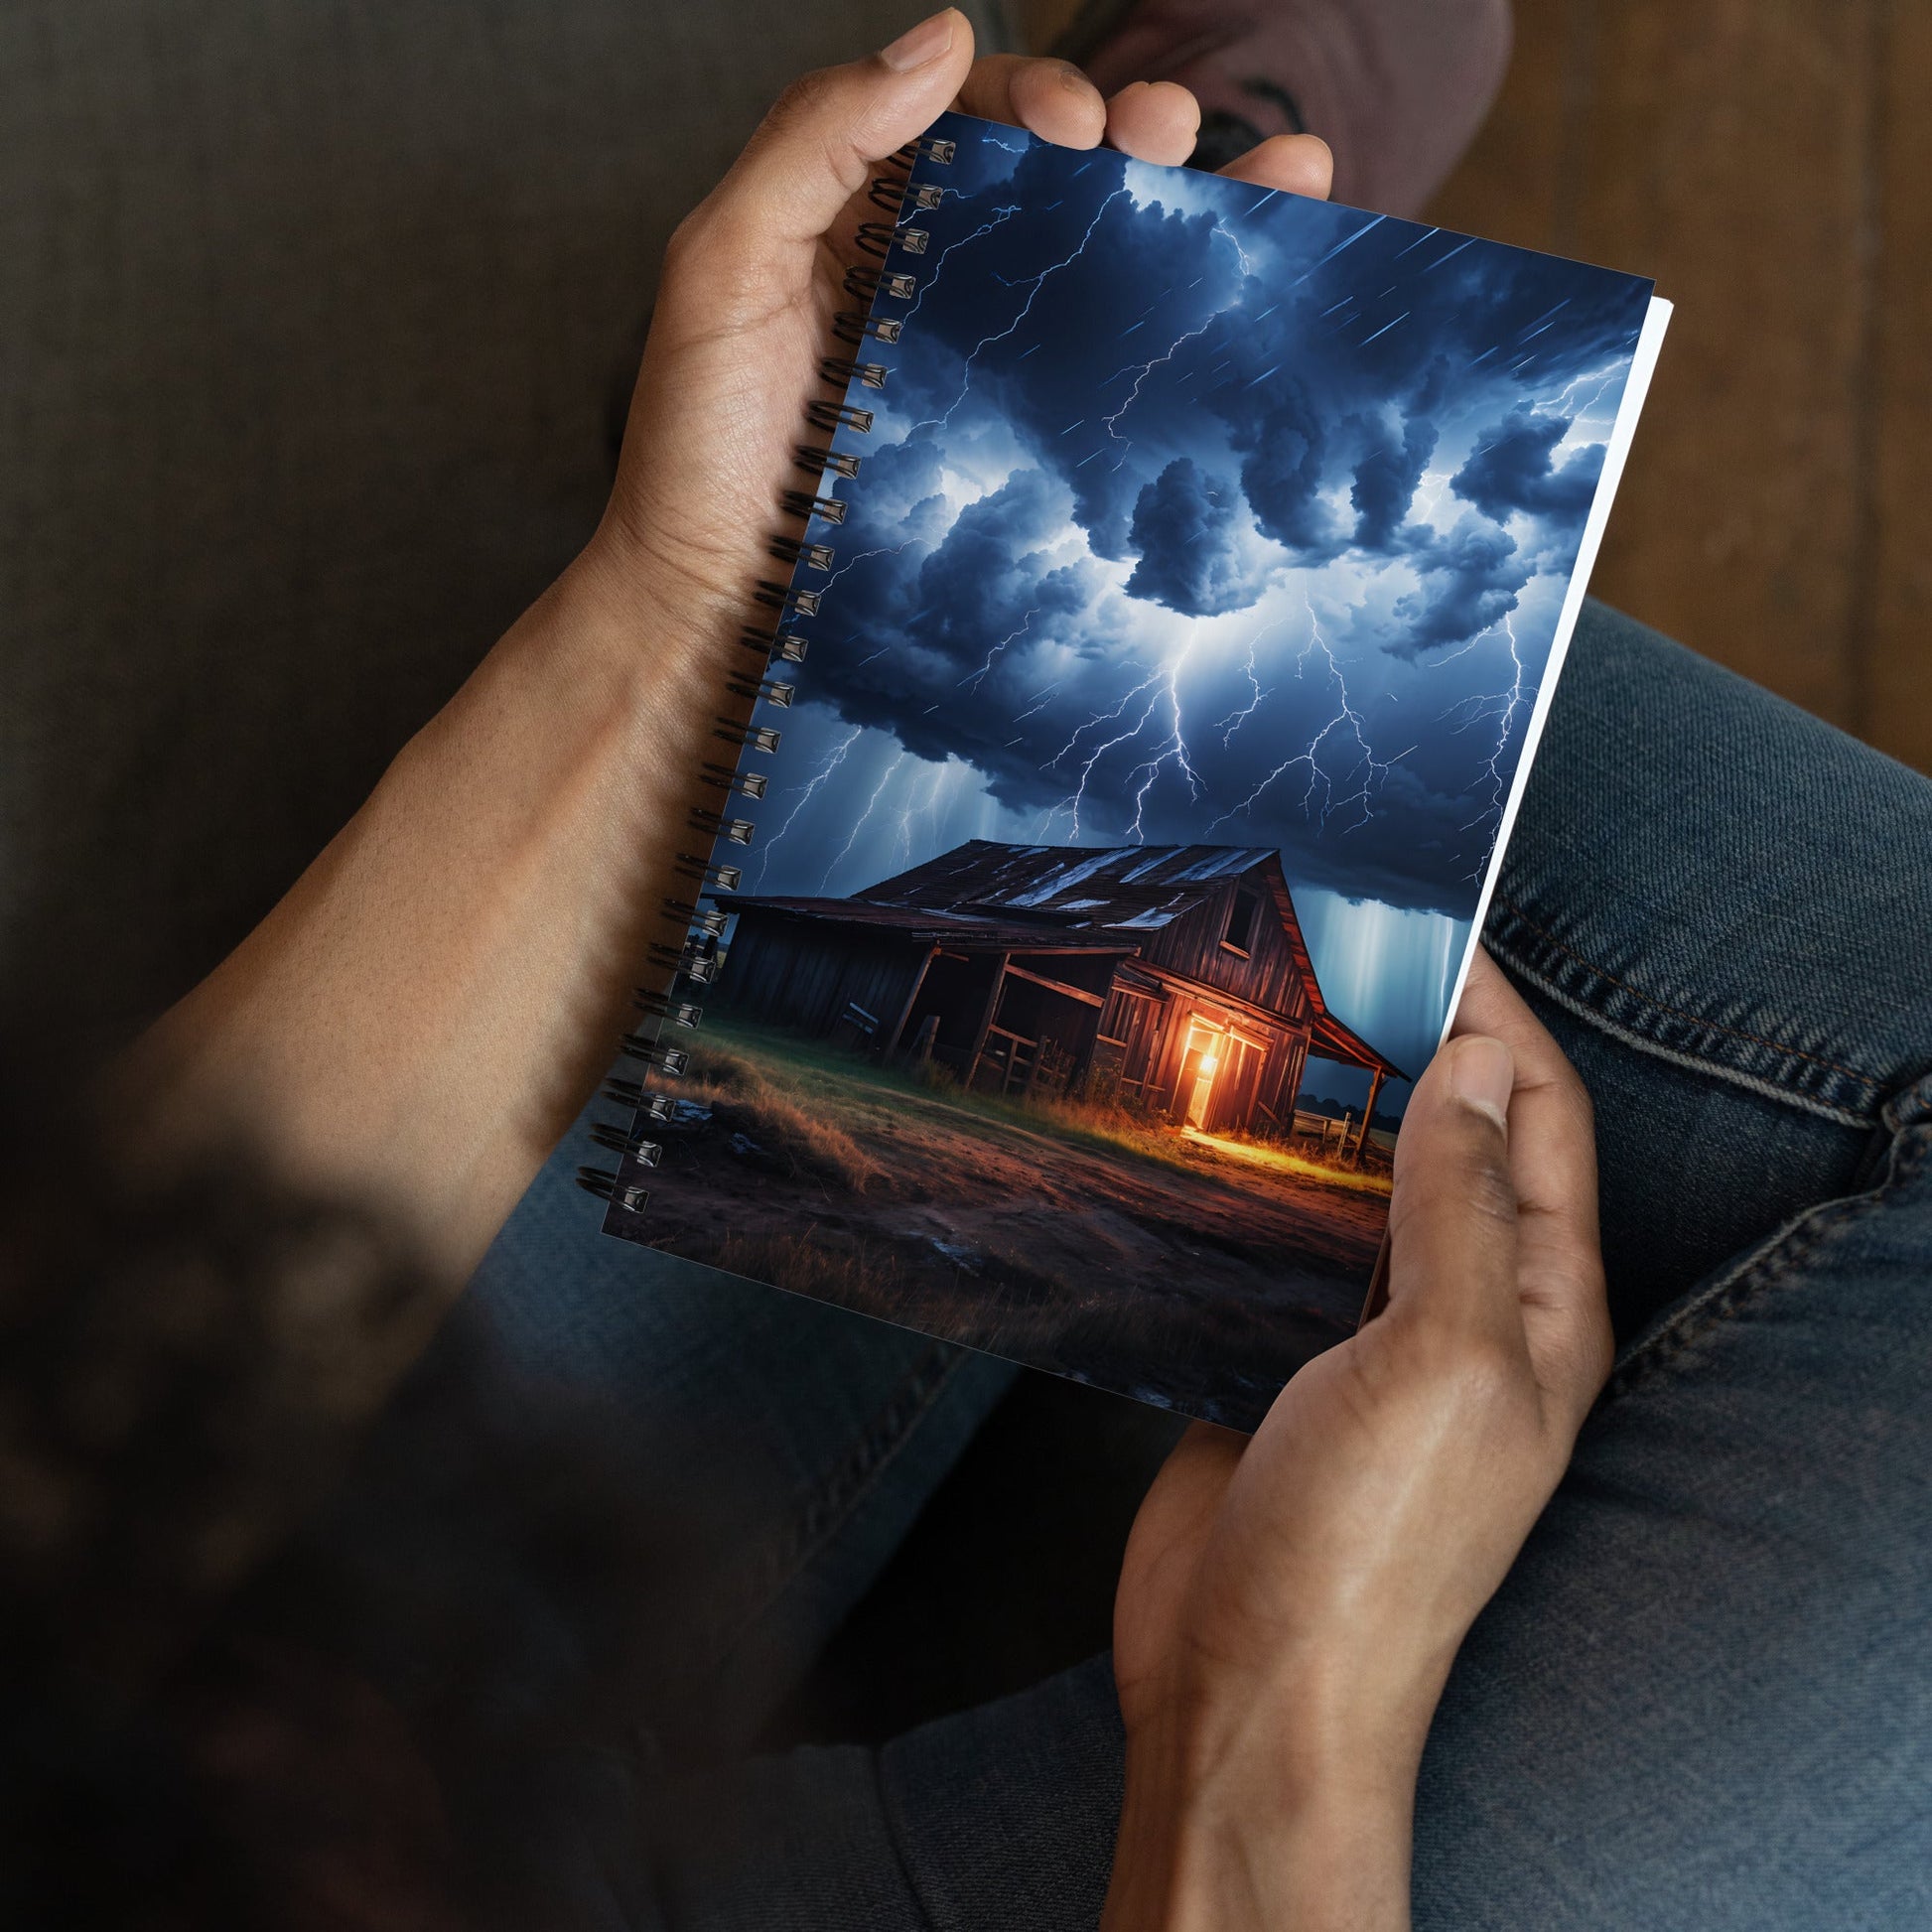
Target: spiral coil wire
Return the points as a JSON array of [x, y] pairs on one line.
[[697, 960]]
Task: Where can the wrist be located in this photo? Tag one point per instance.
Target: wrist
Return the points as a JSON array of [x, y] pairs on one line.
[[1290, 1810], [633, 637]]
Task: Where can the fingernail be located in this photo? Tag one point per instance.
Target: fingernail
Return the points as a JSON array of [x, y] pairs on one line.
[[920, 43], [1481, 1075]]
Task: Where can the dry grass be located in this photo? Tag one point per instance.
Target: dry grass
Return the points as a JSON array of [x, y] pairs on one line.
[[1277, 1157], [1113, 1123], [856, 1277], [778, 1117], [781, 1092]]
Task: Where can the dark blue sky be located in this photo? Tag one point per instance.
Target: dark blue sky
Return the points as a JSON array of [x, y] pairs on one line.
[[1194, 511]]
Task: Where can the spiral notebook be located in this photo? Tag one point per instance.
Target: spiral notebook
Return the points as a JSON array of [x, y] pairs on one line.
[[1121, 768]]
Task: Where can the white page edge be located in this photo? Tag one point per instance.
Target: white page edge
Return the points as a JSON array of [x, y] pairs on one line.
[[1643, 364]]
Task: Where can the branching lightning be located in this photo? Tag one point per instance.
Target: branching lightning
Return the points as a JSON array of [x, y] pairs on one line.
[[1000, 215], [858, 824], [885, 550], [1173, 747], [834, 760], [1146, 369], [1119, 708], [1038, 282], [1503, 707], [1346, 723], [974, 678], [1162, 688], [1239, 717], [1072, 802], [903, 845], [1602, 378], [1234, 241]]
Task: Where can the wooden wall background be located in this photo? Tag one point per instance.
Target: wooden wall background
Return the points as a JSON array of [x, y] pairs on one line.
[[1771, 163]]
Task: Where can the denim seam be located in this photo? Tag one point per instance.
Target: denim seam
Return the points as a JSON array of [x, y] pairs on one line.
[[831, 1505], [1774, 1262], [1682, 1012], [889, 1813], [1674, 1057]]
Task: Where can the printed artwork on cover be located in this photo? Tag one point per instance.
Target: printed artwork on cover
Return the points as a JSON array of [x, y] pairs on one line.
[[1176, 653]]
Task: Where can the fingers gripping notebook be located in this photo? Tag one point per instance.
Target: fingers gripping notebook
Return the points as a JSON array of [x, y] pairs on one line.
[[1176, 597]]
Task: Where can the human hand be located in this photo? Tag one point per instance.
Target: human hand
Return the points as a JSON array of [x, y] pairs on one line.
[[1289, 1605], [753, 278]]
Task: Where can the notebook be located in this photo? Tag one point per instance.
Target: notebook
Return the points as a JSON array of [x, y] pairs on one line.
[[1178, 589]]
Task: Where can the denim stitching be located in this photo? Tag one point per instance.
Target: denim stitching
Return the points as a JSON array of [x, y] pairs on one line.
[[896, 1833], [1682, 1012], [1675, 1056], [1768, 1267]]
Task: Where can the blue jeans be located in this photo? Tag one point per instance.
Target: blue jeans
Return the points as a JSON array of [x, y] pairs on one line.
[[1703, 1698]]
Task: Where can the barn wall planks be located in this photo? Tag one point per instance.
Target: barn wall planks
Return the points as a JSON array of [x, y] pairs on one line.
[[1265, 972], [780, 971]]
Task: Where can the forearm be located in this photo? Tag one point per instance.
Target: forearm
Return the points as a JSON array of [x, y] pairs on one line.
[[417, 1022]]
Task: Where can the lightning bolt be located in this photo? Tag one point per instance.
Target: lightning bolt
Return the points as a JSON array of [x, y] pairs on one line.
[[1167, 355], [1161, 686], [1503, 707], [1173, 747], [831, 764], [1234, 241], [902, 842], [1237, 719], [1038, 282], [1147, 368], [1347, 724], [1072, 802], [858, 824], [885, 550], [1602, 378], [999, 214], [1012, 636], [1512, 703]]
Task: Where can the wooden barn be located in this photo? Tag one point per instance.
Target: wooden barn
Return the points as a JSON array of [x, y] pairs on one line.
[[1177, 974]]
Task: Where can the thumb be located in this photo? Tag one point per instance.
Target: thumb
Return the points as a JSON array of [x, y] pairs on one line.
[[1453, 1223], [818, 145]]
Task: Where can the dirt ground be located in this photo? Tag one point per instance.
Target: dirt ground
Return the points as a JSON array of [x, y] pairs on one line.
[[1192, 1274]]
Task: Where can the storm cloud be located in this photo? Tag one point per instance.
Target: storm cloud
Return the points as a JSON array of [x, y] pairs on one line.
[[1470, 580], [1513, 471], [1187, 529], [1194, 511]]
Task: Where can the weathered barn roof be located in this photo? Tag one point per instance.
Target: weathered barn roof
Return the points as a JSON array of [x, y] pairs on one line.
[[938, 925], [1134, 888], [1069, 898]]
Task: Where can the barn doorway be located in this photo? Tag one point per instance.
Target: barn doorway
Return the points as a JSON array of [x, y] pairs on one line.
[[1204, 1060]]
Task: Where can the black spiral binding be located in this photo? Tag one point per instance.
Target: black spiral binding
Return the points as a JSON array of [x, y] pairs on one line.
[[694, 963]]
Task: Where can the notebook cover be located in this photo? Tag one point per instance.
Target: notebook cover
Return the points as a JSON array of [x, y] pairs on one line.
[[1171, 688]]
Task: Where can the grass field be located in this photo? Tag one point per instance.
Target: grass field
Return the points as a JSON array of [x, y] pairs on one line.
[[1183, 1268]]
